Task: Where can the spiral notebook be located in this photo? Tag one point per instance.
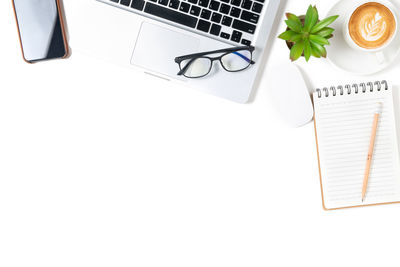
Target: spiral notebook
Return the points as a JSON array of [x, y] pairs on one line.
[[343, 123]]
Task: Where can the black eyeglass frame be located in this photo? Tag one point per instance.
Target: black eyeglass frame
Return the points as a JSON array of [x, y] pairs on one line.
[[225, 52]]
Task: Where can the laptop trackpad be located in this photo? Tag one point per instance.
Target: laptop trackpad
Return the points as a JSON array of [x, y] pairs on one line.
[[156, 49]]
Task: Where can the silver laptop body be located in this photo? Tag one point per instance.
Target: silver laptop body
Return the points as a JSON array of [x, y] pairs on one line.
[[149, 34]]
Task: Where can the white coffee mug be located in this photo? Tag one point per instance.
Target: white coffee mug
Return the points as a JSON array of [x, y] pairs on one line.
[[379, 51]]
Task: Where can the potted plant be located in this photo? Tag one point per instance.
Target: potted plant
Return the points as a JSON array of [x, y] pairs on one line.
[[307, 35]]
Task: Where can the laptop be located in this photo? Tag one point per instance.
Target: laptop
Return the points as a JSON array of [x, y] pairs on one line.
[[149, 34]]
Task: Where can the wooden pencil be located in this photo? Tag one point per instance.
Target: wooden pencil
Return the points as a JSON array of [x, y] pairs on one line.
[[371, 151]]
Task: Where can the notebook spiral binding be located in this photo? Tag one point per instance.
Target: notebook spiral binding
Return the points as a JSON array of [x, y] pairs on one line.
[[350, 88]]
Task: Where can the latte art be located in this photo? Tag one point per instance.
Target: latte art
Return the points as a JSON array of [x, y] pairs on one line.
[[373, 29], [372, 25]]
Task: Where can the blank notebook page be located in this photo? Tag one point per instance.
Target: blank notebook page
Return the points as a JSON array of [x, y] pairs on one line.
[[343, 126]]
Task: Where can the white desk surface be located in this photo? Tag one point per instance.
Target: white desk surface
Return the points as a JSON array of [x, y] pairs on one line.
[[104, 166]]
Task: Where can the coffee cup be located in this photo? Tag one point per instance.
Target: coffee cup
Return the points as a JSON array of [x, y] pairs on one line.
[[371, 26]]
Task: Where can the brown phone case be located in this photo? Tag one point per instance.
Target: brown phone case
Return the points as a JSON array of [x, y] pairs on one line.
[[62, 23]]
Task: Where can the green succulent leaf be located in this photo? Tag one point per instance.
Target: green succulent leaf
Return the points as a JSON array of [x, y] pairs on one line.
[[294, 25], [325, 32], [287, 35], [318, 39], [319, 48], [311, 18], [297, 51], [323, 23], [296, 37], [315, 53], [307, 50], [294, 18]]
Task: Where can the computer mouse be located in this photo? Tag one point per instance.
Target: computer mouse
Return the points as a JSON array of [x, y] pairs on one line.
[[290, 96]]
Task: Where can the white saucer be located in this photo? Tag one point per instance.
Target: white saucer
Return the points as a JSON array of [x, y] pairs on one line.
[[348, 59]]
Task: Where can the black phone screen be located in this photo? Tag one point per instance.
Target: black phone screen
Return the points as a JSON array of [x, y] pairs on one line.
[[40, 29]]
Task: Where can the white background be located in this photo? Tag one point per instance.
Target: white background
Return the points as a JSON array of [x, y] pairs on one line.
[[105, 166]]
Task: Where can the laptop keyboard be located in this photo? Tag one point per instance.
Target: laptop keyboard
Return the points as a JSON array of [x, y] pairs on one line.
[[234, 20]]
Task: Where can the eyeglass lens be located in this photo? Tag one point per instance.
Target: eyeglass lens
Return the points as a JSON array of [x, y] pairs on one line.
[[236, 61], [198, 67]]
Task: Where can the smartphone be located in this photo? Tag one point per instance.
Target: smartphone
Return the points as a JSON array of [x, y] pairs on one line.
[[41, 29]]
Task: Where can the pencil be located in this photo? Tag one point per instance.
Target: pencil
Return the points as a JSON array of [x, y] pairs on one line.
[[371, 151]]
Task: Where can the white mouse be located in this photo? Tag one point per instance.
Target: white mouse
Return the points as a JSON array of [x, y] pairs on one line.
[[289, 95]]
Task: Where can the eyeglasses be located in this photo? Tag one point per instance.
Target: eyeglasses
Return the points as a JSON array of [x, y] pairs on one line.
[[199, 65]]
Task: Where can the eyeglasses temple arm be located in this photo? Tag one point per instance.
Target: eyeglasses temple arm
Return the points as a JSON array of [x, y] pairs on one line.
[[179, 59], [244, 57]]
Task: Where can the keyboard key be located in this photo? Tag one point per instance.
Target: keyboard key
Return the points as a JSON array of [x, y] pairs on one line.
[[248, 16], [246, 42], [226, 1], [205, 14], [115, 1], [215, 29], [192, 1], [203, 25], [195, 11], [261, 1], [247, 4], [236, 2], [236, 36], [214, 5], [125, 2], [173, 4], [243, 26], [169, 14], [185, 7], [225, 35], [163, 2], [224, 9], [216, 17], [235, 12], [257, 7], [137, 4], [226, 21], [204, 3]]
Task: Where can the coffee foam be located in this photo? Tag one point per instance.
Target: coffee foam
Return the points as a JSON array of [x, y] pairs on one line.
[[372, 25]]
